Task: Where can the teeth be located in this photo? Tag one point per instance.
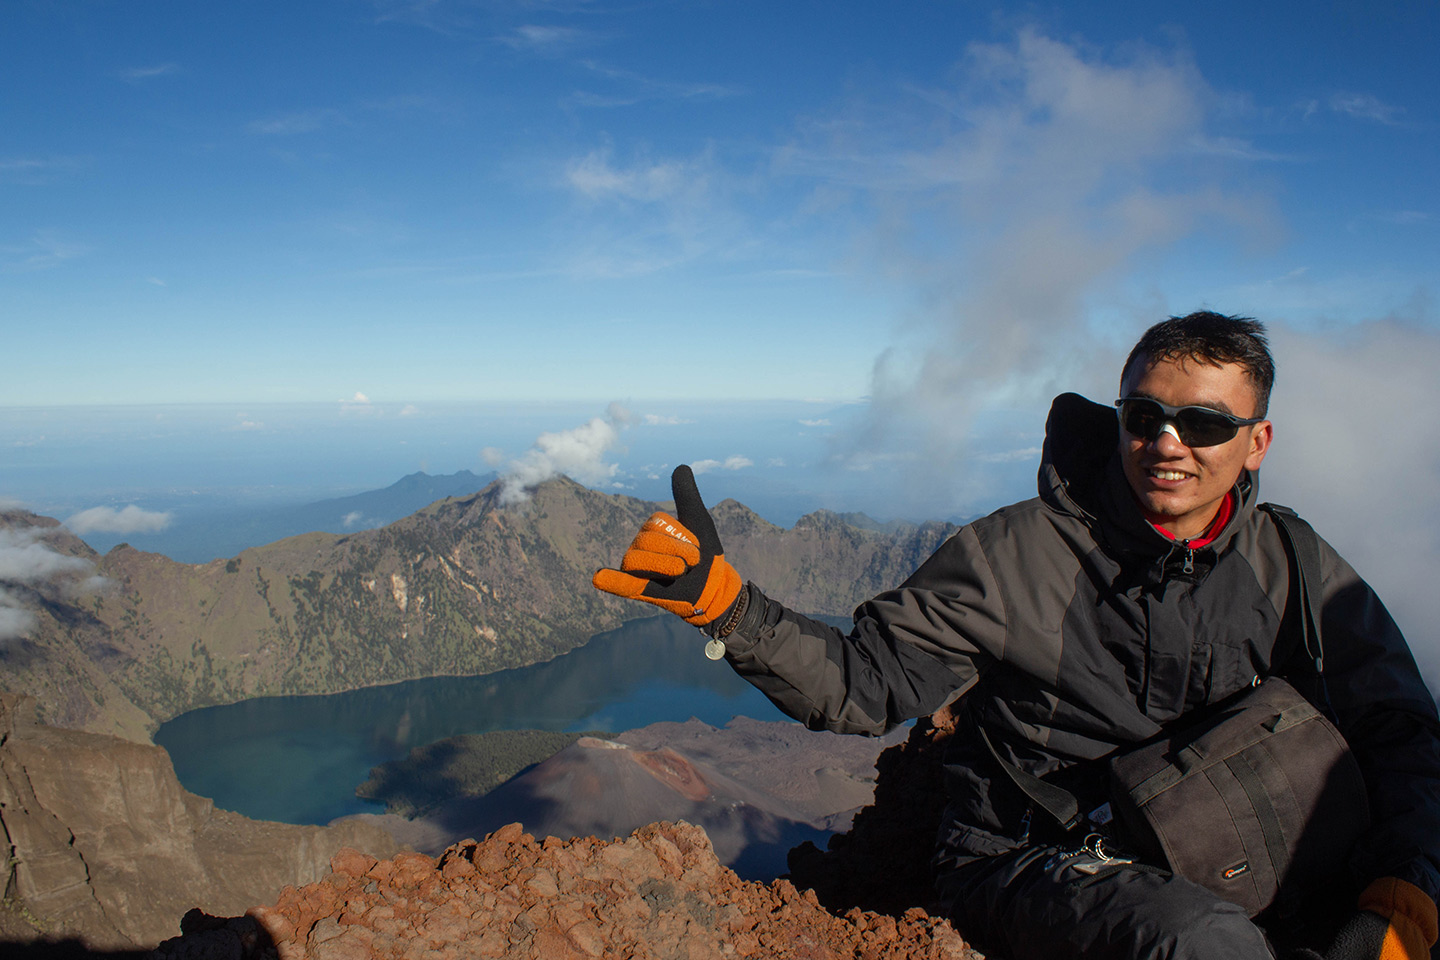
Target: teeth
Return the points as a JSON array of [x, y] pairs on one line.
[[1167, 474]]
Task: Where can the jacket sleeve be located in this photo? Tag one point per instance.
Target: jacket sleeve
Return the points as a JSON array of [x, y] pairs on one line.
[[911, 650], [1389, 718]]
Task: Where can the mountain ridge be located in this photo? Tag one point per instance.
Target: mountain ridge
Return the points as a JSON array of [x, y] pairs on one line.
[[463, 586]]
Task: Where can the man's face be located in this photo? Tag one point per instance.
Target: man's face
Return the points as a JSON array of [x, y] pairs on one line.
[[1180, 487]]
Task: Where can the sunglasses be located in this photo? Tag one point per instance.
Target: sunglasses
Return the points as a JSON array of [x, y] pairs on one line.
[[1198, 426]]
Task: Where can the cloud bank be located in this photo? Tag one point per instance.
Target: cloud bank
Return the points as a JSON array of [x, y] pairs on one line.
[[736, 462], [1356, 452], [127, 520], [31, 570]]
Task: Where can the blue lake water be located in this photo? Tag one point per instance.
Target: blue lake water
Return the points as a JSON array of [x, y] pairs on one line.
[[299, 759]]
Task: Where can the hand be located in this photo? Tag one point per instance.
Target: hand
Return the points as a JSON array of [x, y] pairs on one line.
[[677, 564], [1396, 921]]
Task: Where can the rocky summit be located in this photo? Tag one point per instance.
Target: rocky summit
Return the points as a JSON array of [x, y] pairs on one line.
[[660, 893]]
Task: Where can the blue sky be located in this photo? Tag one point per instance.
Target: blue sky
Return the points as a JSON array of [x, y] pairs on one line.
[[435, 201], [903, 226]]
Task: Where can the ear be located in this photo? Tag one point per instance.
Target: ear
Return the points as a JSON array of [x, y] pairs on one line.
[[1260, 436]]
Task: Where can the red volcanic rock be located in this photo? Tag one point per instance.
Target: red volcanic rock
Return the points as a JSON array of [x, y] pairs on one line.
[[661, 893]]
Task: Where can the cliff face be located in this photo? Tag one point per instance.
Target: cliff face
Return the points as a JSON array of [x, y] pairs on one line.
[[463, 587], [103, 845], [658, 894]]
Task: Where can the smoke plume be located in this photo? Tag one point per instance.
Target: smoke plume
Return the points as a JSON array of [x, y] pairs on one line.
[[578, 453]]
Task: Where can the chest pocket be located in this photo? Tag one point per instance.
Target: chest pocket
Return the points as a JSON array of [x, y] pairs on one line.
[[1229, 629]]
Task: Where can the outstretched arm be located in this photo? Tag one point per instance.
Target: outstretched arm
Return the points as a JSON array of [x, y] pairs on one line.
[[910, 651]]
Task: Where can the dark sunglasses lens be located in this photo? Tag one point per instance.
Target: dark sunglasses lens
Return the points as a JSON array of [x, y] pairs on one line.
[[1201, 428], [1141, 418]]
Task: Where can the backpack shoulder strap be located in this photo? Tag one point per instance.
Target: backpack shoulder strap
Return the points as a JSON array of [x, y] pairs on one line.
[[1302, 546], [1058, 802]]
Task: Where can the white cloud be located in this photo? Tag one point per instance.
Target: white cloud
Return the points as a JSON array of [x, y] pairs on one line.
[[359, 404], [300, 121], [627, 88], [26, 559], [137, 74], [352, 519], [822, 422], [409, 410], [578, 453], [656, 420], [129, 519], [15, 620], [1015, 202], [31, 569], [729, 463], [651, 214], [1363, 106], [1356, 452], [597, 178], [547, 40], [43, 251]]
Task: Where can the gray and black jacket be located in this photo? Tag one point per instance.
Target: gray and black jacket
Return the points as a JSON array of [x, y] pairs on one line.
[[1071, 627]]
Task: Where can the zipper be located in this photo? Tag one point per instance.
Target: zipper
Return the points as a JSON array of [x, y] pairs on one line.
[[1189, 567]]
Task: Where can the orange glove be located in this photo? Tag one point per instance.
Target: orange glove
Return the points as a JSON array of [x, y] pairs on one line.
[[1397, 921], [677, 564]]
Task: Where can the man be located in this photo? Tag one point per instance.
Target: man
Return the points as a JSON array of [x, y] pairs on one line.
[[1140, 585]]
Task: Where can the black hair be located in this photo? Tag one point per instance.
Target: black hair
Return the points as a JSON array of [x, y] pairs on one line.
[[1215, 339]]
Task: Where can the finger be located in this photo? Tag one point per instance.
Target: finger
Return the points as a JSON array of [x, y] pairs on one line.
[[667, 537], [618, 583], [651, 562], [690, 509]]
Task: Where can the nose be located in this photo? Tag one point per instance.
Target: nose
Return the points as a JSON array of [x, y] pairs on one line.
[[1167, 442]]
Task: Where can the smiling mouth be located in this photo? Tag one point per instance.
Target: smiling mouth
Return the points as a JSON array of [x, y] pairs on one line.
[[1169, 474]]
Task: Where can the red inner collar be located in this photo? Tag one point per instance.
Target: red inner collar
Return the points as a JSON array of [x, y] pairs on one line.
[[1222, 517]]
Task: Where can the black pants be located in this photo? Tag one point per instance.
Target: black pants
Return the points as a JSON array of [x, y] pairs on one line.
[[1058, 903]]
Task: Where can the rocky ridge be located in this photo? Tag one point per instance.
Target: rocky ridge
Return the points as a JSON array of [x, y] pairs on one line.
[[660, 893]]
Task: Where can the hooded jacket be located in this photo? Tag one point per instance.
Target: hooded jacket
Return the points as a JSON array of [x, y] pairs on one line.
[[1069, 627]]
